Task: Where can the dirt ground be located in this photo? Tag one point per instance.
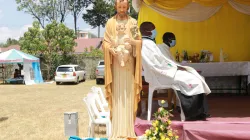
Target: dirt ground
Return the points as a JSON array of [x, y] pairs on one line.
[[37, 111]]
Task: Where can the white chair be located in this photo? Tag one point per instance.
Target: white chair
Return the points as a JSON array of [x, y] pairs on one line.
[[98, 90], [95, 117], [97, 99], [152, 88], [154, 85]]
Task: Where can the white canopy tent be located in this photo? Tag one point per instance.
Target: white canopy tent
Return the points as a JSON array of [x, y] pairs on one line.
[[31, 65]]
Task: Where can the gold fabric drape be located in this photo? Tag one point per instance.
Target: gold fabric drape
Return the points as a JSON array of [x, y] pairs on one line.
[[177, 4], [246, 2], [211, 2], [169, 4]]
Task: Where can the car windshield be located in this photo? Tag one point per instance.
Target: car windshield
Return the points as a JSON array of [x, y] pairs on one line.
[[101, 63], [65, 69]]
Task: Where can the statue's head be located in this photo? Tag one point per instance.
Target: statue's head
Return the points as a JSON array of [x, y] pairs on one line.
[[121, 7]]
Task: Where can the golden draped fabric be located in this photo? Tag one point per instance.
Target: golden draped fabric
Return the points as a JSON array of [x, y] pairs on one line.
[[177, 4], [246, 2]]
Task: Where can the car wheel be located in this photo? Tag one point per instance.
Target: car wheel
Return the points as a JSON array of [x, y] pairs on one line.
[[57, 83], [77, 81]]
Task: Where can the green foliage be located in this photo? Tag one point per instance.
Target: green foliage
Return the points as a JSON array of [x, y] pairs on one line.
[[52, 43], [132, 12], [1, 45], [44, 10], [93, 52], [33, 41], [98, 15], [76, 7], [161, 129], [9, 42]]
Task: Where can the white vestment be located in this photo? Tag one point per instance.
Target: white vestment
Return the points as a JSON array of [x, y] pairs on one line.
[[165, 50], [162, 71]]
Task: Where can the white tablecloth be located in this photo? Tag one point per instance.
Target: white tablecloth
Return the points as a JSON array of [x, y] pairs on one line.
[[222, 68]]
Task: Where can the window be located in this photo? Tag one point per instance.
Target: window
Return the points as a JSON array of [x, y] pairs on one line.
[[65, 69], [78, 68], [101, 63]]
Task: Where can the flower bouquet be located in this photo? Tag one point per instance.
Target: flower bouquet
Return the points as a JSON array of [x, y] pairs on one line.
[[161, 129]]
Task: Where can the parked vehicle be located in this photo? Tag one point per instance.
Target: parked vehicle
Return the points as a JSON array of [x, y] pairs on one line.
[[69, 73], [100, 72]]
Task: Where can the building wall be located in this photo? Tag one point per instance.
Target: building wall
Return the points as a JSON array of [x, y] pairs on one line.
[[89, 64]]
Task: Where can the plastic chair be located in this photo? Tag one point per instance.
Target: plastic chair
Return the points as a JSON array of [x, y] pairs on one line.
[[97, 99], [98, 90], [152, 88], [95, 117]]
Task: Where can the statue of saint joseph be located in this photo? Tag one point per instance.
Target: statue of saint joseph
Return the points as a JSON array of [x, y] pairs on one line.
[[123, 83]]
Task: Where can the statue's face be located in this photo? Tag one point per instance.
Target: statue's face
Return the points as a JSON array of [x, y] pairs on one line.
[[121, 7]]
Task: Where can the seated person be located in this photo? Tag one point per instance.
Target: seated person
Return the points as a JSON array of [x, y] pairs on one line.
[[17, 74], [20, 70], [190, 86], [169, 41]]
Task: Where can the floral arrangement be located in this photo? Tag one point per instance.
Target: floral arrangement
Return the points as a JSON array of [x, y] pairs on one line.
[[177, 56], [206, 56], [161, 129], [184, 56]]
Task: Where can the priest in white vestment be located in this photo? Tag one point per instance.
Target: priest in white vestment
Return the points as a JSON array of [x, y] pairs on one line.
[[190, 87], [169, 41]]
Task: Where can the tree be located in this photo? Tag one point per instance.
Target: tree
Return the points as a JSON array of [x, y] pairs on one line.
[[54, 41], [1, 45], [44, 10], [96, 53], [33, 41], [93, 52], [98, 15], [132, 11], [9, 42], [76, 7]]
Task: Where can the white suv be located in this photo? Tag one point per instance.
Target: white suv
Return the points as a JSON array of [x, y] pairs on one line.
[[69, 73]]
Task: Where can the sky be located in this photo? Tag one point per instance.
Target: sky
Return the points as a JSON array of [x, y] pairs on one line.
[[14, 23]]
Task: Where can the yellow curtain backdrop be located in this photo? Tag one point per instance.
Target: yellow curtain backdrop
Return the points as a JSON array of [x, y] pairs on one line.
[[177, 4], [246, 2], [211, 2], [227, 29]]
